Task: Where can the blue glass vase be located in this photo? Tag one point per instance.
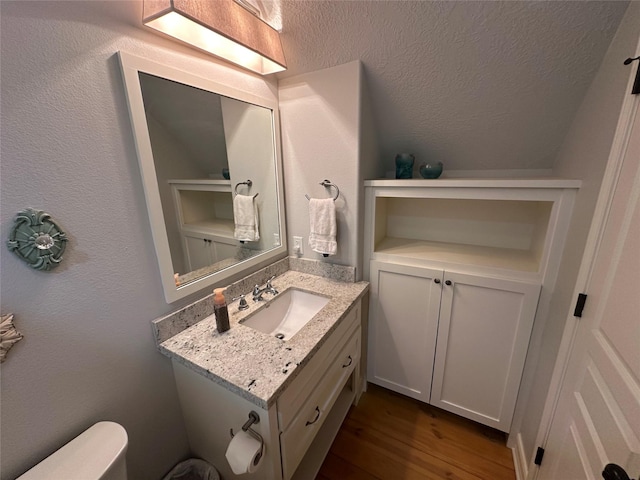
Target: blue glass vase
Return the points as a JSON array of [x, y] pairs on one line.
[[404, 165]]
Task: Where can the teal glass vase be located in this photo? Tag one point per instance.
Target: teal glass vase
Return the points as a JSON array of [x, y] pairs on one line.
[[431, 170], [404, 165]]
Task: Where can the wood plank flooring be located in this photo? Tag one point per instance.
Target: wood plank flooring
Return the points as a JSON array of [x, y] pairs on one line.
[[392, 437]]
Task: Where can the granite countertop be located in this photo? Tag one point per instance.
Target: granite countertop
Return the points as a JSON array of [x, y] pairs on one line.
[[253, 364]]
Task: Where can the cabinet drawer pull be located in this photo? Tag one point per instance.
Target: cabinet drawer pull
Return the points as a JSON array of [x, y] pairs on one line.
[[348, 364], [436, 280], [315, 419], [448, 282]]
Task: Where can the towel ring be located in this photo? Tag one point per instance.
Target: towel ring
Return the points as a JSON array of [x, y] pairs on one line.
[[328, 184], [248, 183]]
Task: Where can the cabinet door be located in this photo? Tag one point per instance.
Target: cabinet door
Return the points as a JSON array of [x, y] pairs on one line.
[[402, 332], [483, 335], [198, 250], [224, 250]]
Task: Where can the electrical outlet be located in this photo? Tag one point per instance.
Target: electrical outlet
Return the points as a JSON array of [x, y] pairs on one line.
[[297, 245]]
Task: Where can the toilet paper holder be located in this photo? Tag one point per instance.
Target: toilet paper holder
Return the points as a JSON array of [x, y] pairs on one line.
[[253, 418]]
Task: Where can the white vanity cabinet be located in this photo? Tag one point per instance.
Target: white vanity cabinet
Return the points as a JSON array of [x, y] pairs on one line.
[[204, 213], [298, 427], [329, 382], [456, 270]]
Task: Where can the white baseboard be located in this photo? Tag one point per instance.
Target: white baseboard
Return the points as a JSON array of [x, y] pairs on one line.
[[520, 459]]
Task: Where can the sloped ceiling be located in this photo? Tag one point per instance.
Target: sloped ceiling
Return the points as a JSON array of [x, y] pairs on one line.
[[193, 117], [477, 85]]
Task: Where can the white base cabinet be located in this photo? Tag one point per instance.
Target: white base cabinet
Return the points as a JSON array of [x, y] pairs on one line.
[[403, 327], [203, 250], [453, 340], [457, 268], [483, 334]]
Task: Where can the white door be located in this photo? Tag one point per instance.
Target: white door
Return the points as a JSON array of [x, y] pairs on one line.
[[403, 325], [483, 335], [597, 418]]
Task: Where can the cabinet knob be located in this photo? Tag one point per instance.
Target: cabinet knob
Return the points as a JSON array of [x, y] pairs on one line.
[[447, 282], [436, 280]]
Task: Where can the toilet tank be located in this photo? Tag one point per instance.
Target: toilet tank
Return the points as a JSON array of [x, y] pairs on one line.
[[96, 454]]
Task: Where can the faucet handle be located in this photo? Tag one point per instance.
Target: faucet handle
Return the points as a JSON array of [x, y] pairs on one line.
[[243, 305], [269, 282]]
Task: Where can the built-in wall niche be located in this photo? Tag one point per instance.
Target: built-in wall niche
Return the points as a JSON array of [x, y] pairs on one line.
[[210, 211], [506, 234], [204, 212]]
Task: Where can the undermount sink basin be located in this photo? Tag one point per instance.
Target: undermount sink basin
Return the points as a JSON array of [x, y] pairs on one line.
[[287, 313]]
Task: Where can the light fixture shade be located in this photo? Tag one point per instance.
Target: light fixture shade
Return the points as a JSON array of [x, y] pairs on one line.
[[220, 27]]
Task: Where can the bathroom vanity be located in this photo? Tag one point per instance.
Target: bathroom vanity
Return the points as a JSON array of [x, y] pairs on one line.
[[459, 269], [301, 388]]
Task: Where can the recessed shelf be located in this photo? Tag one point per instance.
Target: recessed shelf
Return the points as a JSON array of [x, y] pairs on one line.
[[424, 250], [204, 206], [216, 227], [505, 234]]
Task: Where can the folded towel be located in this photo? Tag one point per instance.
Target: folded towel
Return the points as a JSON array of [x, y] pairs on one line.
[[245, 214], [322, 223]]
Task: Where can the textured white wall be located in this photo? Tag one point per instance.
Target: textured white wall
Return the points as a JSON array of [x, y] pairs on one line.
[[319, 113], [477, 85], [583, 156], [67, 148]]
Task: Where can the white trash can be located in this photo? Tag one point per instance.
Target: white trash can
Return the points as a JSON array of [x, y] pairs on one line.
[[193, 469]]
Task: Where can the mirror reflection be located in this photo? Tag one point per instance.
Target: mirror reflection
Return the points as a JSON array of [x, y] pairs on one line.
[[206, 149], [209, 157]]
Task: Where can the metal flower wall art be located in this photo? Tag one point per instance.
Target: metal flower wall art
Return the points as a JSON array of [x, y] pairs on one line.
[[9, 336], [37, 240]]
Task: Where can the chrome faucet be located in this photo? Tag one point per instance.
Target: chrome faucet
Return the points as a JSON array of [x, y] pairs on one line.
[[268, 288]]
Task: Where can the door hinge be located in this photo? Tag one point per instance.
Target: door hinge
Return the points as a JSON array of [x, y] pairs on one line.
[[582, 298], [539, 455]]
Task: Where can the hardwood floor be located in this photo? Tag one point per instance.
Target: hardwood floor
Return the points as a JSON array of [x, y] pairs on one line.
[[391, 437]]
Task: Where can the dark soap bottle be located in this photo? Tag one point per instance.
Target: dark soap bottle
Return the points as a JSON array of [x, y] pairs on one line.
[[220, 310]]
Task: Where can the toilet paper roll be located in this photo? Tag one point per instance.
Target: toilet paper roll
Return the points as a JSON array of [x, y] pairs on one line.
[[244, 453]]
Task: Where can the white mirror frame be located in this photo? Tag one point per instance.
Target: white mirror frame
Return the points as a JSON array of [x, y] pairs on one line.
[[131, 65]]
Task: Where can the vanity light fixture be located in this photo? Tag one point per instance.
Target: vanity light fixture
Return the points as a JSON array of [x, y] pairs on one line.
[[222, 28]]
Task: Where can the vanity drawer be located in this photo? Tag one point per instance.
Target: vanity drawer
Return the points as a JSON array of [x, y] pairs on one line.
[[295, 396], [295, 440]]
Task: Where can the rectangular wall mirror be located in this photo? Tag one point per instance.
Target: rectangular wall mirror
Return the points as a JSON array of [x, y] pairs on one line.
[[199, 144]]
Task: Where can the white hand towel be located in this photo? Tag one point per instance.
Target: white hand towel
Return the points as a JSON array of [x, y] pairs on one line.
[[245, 214], [322, 223]]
